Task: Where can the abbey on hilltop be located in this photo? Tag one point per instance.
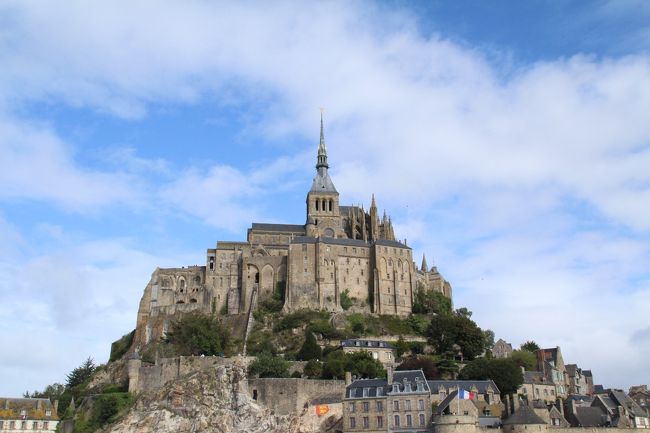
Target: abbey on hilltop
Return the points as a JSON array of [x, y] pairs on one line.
[[340, 251]]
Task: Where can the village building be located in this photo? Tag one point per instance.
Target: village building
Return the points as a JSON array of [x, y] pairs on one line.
[[380, 350], [502, 349], [37, 415], [401, 402]]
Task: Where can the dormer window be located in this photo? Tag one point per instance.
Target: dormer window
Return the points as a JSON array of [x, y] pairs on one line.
[[407, 387], [420, 387], [395, 387]]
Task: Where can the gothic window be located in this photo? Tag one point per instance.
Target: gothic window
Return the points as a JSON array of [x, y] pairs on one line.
[[317, 204], [324, 205], [182, 285], [330, 205]]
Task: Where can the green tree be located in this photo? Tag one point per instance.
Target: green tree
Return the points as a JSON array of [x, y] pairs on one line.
[[426, 364], [313, 369], [53, 392], [464, 312], [346, 301], [269, 366], [445, 331], [489, 339], [530, 346], [81, 374], [524, 358], [505, 373], [430, 302], [198, 334], [310, 349], [447, 366], [361, 364]]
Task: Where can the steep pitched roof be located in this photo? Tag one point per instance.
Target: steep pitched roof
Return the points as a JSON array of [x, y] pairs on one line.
[[590, 417], [481, 385], [524, 415]]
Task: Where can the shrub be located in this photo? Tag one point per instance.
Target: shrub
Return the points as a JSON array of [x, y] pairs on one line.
[[346, 301], [269, 366], [198, 334], [310, 349], [313, 369], [360, 364], [121, 346], [426, 364]]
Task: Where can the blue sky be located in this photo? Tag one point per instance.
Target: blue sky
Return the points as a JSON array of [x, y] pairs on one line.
[[508, 140]]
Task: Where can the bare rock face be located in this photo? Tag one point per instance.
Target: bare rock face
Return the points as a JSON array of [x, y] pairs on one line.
[[210, 401]]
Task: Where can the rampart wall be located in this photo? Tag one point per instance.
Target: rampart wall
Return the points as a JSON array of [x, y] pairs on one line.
[[285, 396], [147, 377]]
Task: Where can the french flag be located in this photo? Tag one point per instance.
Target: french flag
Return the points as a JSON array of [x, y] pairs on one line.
[[466, 395]]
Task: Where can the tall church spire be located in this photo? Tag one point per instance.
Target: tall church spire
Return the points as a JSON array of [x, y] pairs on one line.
[[322, 181], [322, 151], [424, 264]]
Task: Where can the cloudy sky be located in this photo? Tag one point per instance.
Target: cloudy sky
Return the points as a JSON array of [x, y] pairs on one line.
[[509, 141]]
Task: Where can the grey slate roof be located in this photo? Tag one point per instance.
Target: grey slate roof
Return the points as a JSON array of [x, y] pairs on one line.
[[481, 385], [444, 404], [387, 243], [322, 182], [590, 417], [381, 387], [524, 415], [627, 402], [365, 343], [292, 228], [534, 377]]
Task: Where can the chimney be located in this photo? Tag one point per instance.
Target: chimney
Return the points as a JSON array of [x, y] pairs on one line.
[[515, 402], [56, 408], [389, 374], [348, 378], [39, 404]]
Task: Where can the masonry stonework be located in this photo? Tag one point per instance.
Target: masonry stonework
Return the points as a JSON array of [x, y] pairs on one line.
[[340, 251]]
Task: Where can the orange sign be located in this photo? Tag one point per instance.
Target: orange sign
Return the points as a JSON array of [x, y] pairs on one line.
[[322, 409]]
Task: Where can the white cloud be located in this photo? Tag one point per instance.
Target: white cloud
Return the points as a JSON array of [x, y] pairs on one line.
[[38, 165], [505, 155]]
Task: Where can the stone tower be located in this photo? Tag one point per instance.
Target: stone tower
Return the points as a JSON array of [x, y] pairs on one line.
[[323, 214]]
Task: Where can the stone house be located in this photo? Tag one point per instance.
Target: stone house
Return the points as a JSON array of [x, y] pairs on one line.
[[551, 363], [401, 402], [622, 410], [577, 380], [341, 253], [380, 350], [502, 349], [641, 396], [487, 395], [536, 386], [34, 414]]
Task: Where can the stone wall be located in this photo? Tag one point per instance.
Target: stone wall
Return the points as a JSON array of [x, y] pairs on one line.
[[147, 377], [287, 396]]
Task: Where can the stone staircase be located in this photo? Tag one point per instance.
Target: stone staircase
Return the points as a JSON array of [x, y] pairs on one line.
[[251, 319]]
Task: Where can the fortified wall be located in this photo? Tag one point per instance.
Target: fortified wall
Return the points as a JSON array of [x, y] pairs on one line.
[[292, 395]]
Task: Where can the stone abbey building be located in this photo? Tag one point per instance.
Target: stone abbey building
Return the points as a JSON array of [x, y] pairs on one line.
[[339, 250]]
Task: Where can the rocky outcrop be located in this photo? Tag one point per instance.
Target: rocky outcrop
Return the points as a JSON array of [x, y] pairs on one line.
[[214, 400]]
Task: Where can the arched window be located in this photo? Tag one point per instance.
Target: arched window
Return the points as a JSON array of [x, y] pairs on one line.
[[330, 209], [181, 285], [324, 205], [317, 203]]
